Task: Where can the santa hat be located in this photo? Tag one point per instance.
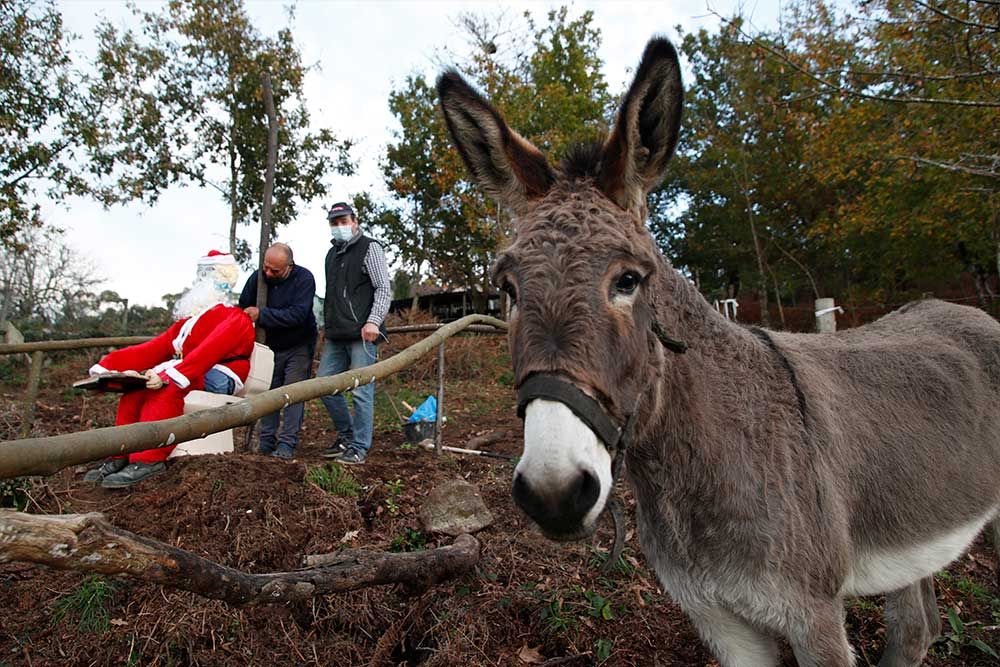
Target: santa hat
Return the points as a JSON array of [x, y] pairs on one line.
[[217, 258]]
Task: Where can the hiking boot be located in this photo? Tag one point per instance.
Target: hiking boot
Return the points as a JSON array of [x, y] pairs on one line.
[[109, 467], [132, 474], [339, 446], [351, 457]]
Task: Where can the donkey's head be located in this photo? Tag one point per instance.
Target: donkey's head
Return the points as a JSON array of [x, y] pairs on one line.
[[579, 274]]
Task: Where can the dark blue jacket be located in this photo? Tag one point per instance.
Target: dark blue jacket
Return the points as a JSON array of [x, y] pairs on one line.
[[288, 319]]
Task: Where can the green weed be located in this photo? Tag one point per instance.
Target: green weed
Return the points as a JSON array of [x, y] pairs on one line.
[[410, 540], [14, 493], [395, 488], [602, 649], [333, 479], [957, 639], [88, 604]]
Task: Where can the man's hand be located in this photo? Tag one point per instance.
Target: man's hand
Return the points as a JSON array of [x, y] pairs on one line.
[[369, 332], [153, 379], [252, 312], [135, 374]]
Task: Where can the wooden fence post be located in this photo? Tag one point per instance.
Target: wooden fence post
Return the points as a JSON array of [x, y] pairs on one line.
[[440, 401], [826, 315], [31, 394]]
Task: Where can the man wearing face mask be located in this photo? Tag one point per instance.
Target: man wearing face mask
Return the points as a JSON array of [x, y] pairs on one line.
[[290, 332], [357, 300]]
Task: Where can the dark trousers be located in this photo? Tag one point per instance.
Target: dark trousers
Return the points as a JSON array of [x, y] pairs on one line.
[[292, 365]]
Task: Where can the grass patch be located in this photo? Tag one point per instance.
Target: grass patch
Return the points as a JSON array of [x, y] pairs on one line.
[[87, 605], [333, 479]]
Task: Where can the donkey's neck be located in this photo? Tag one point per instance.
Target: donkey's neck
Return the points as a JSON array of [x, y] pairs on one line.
[[702, 400]]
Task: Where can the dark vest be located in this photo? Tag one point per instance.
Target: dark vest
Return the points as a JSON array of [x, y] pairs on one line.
[[349, 291]]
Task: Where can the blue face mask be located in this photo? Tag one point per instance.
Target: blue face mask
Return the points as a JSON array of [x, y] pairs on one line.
[[342, 232]]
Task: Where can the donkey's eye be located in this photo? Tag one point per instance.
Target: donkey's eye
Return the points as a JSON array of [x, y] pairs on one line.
[[627, 282]]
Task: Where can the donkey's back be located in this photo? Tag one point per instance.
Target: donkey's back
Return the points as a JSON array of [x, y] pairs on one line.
[[903, 415]]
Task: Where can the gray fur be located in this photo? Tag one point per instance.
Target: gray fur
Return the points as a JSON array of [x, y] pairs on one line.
[[773, 472]]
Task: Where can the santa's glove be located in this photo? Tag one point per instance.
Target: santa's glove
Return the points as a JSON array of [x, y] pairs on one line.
[[153, 379], [135, 374]]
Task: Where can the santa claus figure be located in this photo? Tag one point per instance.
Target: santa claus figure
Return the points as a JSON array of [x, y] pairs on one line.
[[209, 338]]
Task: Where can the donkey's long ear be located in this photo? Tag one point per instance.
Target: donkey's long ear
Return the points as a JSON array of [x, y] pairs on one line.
[[645, 132], [503, 162]]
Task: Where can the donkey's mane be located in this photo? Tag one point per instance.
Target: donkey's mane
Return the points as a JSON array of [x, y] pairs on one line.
[[582, 160]]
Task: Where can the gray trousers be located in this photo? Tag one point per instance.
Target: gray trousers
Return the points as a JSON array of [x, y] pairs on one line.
[[292, 365]]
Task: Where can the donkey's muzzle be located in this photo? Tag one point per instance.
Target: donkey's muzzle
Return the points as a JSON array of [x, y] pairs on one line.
[[559, 512]]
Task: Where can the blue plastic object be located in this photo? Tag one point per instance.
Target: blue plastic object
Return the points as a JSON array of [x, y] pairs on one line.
[[426, 411]]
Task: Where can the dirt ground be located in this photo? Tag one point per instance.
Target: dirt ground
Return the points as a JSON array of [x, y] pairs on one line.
[[529, 602]]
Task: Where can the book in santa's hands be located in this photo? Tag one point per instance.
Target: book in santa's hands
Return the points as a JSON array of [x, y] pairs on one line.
[[112, 382]]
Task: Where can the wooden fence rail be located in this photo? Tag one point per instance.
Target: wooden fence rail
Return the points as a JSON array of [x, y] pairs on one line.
[[45, 456]]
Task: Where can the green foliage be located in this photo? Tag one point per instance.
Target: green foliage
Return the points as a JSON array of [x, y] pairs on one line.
[[957, 639], [554, 618], [395, 488], [334, 479], [409, 540], [837, 182], [87, 605], [189, 96], [14, 492], [547, 81], [599, 607], [598, 557], [603, 648]]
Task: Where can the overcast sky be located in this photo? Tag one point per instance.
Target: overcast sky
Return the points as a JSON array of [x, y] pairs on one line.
[[363, 50]]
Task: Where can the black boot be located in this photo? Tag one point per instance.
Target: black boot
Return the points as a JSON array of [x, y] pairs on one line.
[[109, 467]]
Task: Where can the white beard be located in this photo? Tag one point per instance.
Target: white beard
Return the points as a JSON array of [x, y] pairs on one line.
[[201, 296]]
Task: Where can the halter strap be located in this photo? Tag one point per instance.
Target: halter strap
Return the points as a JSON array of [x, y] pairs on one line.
[[550, 387]]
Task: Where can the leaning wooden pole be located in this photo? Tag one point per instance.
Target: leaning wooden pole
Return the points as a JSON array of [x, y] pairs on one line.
[[265, 218], [45, 456], [89, 543]]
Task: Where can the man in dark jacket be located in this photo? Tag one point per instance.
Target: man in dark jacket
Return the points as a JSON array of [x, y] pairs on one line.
[[357, 300], [290, 328]]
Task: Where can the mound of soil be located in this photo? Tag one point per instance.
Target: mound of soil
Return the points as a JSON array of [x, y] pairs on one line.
[[529, 602]]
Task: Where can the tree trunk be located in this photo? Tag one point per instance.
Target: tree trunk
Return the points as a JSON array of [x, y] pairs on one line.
[[265, 222], [89, 543], [233, 177]]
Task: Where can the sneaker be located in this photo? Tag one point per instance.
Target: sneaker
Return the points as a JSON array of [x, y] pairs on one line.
[[351, 457], [339, 446], [131, 474], [109, 467], [283, 453]]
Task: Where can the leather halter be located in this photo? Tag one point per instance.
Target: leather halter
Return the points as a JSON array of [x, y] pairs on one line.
[[614, 435]]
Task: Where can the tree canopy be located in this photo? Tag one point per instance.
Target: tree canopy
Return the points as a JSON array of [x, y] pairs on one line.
[[546, 78]]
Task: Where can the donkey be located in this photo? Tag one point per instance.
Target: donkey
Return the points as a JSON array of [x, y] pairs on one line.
[[774, 473]]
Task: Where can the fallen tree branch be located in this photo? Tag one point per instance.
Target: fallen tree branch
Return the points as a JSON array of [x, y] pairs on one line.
[[45, 456], [89, 543]]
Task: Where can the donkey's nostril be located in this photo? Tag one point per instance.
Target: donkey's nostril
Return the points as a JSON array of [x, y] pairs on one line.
[[558, 510], [585, 492]]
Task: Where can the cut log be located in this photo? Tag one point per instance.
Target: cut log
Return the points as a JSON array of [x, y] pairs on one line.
[[89, 543]]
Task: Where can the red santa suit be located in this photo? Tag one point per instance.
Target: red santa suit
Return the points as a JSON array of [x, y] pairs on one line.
[[219, 337]]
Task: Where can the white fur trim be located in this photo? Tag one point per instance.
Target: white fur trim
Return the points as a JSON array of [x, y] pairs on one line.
[[98, 369], [185, 331], [177, 377]]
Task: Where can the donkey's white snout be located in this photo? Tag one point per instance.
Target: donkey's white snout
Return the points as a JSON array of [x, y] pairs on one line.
[[564, 476]]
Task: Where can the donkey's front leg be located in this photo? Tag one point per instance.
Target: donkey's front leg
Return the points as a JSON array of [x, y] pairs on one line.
[[733, 641], [822, 640]]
